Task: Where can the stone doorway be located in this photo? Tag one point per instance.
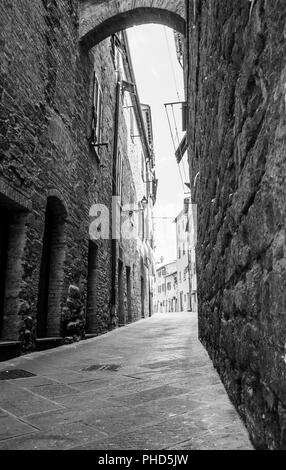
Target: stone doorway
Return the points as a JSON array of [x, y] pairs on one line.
[[51, 273]]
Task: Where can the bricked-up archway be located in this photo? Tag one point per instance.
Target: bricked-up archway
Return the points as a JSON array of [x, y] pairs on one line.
[[100, 19], [52, 269]]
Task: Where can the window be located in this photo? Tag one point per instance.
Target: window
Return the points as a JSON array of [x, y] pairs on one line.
[[179, 253], [159, 274], [163, 288], [180, 277], [115, 50], [96, 120], [146, 111], [169, 286], [184, 248]]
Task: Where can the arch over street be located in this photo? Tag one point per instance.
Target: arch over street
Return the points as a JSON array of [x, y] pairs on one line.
[[100, 19]]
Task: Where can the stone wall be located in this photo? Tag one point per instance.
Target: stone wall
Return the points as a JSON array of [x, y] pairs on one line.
[[43, 136], [45, 114], [101, 18], [237, 130]]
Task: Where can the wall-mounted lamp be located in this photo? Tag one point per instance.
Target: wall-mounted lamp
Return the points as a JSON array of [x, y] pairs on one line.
[[144, 202]]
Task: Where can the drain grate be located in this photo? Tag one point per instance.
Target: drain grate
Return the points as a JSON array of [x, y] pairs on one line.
[[109, 367], [15, 374]]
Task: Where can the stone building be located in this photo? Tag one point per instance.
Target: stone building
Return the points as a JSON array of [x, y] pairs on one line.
[[165, 289], [176, 282], [186, 259], [172, 291], [66, 146]]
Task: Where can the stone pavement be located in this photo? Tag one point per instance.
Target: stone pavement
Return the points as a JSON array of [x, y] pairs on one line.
[[149, 385]]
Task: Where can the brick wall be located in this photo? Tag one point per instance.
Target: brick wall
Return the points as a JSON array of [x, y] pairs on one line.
[[43, 137], [45, 111]]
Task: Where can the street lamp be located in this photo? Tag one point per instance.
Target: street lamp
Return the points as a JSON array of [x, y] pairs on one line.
[[144, 202]]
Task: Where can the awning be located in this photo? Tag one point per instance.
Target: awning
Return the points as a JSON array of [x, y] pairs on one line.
[[181, 150]]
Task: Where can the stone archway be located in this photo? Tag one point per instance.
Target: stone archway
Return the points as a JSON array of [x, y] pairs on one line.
[[99, 19]]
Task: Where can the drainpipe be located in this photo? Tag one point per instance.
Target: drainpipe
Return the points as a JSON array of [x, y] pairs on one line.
[[114, 188]]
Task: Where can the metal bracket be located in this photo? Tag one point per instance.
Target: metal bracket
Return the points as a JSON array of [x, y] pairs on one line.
[[251, 8], [101, 144]]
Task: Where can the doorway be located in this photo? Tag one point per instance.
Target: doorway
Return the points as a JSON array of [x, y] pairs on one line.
[[4, 235], [121, 316], [142, 297], [181, 302], [91, 304], [129, 299], [51, 271]]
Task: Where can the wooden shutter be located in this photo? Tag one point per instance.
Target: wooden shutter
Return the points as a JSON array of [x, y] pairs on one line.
[[96, 112]]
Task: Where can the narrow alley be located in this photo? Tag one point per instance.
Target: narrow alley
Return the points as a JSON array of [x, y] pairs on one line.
[[149, 385], [143, 224]]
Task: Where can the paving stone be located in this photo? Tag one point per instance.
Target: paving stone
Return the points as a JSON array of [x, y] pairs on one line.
[[50, 419], [88, 385], [150, 395], [132, 419], [33, 382], [62, 436], [53, 390], [10, 426], [21, 402]]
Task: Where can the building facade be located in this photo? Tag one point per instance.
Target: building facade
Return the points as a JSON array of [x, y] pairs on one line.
[[165, 291], [176, 282], [186, 258], [66, 156], [172, 291]]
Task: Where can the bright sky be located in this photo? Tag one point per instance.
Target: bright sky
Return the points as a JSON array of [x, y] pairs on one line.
[[159, 79]]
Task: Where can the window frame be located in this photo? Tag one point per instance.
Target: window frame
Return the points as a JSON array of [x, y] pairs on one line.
[[97, 114]]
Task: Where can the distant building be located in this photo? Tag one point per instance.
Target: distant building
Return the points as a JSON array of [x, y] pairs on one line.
[[165, 296], [186, 261], [176, 283], [172, 292]]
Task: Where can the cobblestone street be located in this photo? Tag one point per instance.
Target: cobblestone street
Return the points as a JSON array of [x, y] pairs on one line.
[[149, 385]]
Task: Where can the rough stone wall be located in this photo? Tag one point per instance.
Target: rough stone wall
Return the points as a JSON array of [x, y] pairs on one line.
[[237, 130]]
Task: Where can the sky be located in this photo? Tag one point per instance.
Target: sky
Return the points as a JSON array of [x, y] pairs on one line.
[[159, 78]]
